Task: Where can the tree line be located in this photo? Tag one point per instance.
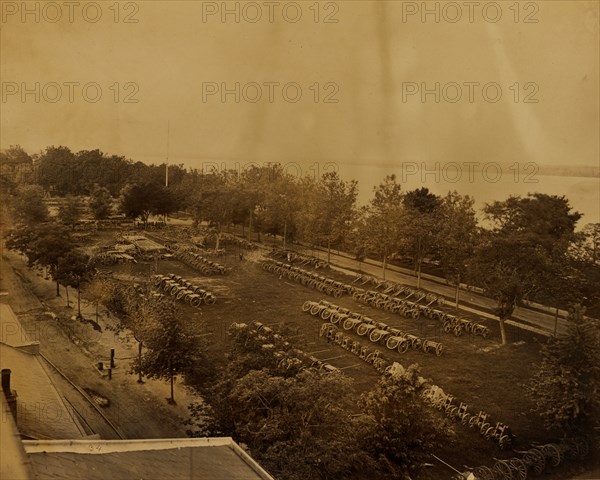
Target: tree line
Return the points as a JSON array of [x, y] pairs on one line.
[[528, 250]]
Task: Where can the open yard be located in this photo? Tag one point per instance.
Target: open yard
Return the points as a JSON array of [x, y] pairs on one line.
[[475, 370]]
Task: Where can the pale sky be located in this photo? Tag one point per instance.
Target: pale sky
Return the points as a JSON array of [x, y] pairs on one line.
[[371, 54]]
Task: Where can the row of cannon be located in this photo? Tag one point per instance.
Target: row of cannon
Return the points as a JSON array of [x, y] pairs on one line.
[[499, 432], [376, 332], [309, 279], [200, 263], [372, 357], [534, 461], [394, 289], [286, 356], [296, 257], [184, 290], [413, 309]]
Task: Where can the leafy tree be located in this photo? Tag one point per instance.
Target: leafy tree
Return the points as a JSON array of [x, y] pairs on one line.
[[382, 221], [398, 429], [529, 238], [252, 181], [296, 426], [171, 349], [566, 385], [29, 206], [546, 218], [73, 270], [281, 203], [215, 201], [202, 420], [100, 202], [144, 199], [98, 290], [70, 211], [420, 226], [591, 234], [584, 256], [15, 155], [457, 237], [45, 245], [328, 210], [57, 170]]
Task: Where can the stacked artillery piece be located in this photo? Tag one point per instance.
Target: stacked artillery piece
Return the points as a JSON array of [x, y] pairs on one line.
[[331, 332], [499, 432], [184, 290], [536, 460], [309, 279], [377, 332], [295, 257], [286, 356], [230, 239], [200, 263], [406, 301]]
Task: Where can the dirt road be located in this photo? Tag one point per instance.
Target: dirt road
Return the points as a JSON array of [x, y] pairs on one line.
[[137, 411]]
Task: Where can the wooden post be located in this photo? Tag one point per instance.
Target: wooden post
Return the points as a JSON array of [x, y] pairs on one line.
[[140, 363]]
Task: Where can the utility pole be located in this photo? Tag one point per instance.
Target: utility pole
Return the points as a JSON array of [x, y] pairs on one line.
[[167, 164]]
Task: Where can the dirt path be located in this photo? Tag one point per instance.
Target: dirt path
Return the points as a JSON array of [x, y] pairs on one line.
[[137, 411]]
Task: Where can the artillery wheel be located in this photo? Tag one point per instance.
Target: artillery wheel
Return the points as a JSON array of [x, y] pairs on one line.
[[502, 470], [195, 302], [348, 324], [553, 453], [362, 329], [306, 306], [504, 441], [536, 460], [210, 299], [403, 346], [483, 473], [392, 342], [519, 468]]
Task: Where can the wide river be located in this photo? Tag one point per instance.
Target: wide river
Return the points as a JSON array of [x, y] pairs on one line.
[[494, 184]]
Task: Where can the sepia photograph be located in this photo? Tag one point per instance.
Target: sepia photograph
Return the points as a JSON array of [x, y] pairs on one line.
[[300, 240]]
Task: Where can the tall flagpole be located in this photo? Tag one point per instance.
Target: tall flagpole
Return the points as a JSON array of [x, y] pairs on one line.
[[167, 164]]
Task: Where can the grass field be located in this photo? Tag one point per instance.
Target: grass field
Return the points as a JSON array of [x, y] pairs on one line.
[[477, 371]]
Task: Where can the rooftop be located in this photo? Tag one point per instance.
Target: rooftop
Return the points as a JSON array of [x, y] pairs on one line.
[[42, 411], [177, 459]]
